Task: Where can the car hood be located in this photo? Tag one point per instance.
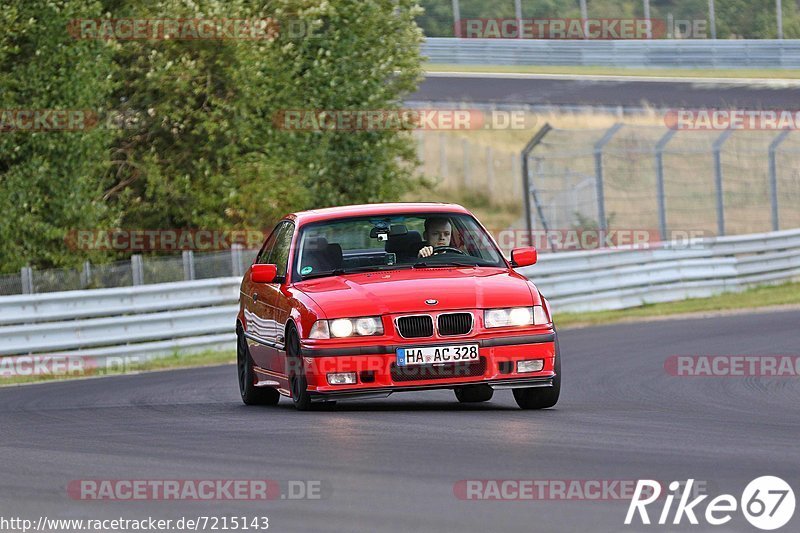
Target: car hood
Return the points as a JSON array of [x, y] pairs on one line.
[[405, 291]]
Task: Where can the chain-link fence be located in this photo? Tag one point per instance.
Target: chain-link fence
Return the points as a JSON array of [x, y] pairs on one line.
[[139, 270], [463, 164], [635, 177], [715, 182]]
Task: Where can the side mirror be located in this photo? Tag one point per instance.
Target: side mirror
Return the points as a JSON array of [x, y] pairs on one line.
[[263, 273], [522, 257]]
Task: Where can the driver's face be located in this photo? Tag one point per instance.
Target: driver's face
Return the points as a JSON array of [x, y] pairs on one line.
[[439, 235]]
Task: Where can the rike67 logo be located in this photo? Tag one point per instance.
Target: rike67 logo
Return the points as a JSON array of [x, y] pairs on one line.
[[767, 503]]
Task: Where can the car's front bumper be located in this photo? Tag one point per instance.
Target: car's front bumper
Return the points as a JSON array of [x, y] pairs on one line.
[[378, 376]]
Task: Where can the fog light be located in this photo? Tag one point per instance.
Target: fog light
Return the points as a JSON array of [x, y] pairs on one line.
[[531, 365], [342, 378]]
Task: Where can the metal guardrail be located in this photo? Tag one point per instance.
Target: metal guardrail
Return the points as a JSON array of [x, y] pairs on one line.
[[616, 279], [142, 321], [669, 53], [151, 320]]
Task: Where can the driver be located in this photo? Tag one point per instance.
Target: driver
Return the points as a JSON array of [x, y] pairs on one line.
[[437, 233]]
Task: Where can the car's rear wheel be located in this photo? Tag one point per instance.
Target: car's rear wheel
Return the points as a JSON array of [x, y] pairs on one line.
[[474, 393], [541, 397], [251, 395]]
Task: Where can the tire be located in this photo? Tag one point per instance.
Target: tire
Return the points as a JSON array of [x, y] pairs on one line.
[[251, 395], [474, 393], [297, 375], [541, 397]]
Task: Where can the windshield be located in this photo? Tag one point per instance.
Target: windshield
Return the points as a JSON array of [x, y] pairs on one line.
[[398, 241]]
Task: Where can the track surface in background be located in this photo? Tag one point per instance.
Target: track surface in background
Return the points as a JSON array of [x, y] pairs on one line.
[[548, 92], [391, 465]]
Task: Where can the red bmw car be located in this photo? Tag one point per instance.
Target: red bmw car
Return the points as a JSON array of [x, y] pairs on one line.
[[364, 301]]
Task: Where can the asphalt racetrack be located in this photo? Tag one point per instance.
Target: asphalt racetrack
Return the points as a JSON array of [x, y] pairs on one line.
[[545, 91], [391, 465]]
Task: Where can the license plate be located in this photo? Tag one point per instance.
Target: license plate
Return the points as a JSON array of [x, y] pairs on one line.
[[432, 355]]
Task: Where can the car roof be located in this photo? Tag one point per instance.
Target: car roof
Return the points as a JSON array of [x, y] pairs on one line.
[[331, 213]]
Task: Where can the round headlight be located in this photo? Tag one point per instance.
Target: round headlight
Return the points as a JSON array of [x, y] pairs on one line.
[[341, 327], [366, 326], [520, 316], [496, 317]]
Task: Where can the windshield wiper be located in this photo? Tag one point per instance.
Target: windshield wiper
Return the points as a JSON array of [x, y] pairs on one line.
[[336, 272], [423, 264], [341, 271]]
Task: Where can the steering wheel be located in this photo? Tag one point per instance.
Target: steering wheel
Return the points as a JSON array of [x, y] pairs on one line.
[[444, 249]]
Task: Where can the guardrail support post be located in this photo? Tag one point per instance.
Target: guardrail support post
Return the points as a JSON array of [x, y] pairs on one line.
[[137, 269], [718, 181], [661, 197], [188, 265], [598, 170], [26, 274], [773, 177]]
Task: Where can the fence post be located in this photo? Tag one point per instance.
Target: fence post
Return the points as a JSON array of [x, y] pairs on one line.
[[718, 180], [467, 173], [26, 275], [528, 187], [598, 170], [515, 172], [86, 274], [188, 265], [236, 259], [662, 202], [456, 19], [137, 269], [490, 171], [442, 157], [773, 177]]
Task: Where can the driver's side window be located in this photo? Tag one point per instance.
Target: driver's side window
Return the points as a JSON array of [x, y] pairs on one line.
[[263, 254]]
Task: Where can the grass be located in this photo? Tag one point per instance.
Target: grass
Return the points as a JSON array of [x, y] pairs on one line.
[[758, 297], [174, 361], [620, 71]]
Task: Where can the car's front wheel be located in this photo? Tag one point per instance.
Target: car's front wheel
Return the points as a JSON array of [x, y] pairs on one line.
[[541, 397], [251, 395], [474, 393], [297, 374]]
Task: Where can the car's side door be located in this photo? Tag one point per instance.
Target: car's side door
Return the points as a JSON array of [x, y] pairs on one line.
[[256, 312], [276, 300]]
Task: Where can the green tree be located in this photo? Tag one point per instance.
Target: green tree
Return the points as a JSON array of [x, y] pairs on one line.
[[50, 181], [205, 149]]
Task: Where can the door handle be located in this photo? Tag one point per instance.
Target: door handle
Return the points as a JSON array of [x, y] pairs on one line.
[[255, 296]]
